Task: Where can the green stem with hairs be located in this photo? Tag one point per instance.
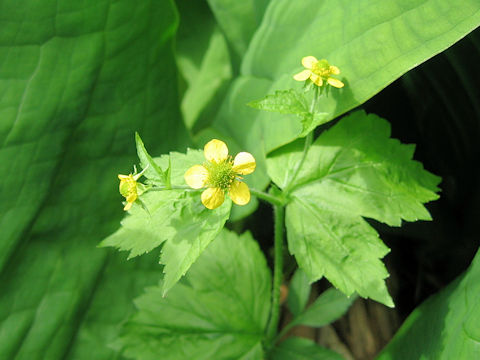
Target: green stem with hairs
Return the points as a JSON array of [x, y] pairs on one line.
[[272, 326]]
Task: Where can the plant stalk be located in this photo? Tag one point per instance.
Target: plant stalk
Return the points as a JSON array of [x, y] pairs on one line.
[[272, 327], [266, 197]]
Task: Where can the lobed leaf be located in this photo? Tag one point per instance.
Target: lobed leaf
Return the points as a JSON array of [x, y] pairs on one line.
[[175, 218], [353, 170], [219, 311], [298, 292]]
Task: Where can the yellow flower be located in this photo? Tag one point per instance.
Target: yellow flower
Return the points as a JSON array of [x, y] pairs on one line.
[[220, 174], [318, 71], [130, 189]]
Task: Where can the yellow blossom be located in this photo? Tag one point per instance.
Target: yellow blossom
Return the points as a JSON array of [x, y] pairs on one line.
[[220, 174], [318, 71], [129, 188]]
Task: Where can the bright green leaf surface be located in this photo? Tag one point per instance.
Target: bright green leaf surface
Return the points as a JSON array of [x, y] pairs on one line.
[[175, 216], [295, 348], [77, 80], [372, 42], [283, 102], [152, 170], [203, 60], [238, 20], [218, 312], [352, 170], [444, 327], [298, 292], [328, 307]]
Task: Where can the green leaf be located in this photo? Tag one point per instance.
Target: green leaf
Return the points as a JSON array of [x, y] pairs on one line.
[[204, 62], [445, 326], [353, 170], [414, 31], [238, 20], [152, 171], [175, 218], [78, 79], [311, 121], [219, 311], [329, 306], [296, 348], [298, 292], [283, 102]]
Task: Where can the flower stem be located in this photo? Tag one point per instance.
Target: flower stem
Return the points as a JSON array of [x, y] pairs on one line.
[[308, 143], [267, 197], [272, 327]]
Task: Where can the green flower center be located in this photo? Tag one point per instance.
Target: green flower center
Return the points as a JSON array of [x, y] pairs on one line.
[[220, 175], [321, 68]]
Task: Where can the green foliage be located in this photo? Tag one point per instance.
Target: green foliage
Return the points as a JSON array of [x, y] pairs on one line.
[[327, 308], [219, 311], [349, 35], [352, 170], [446, 326], [295, 348], [292, 102], [174, 218], [77, 80], [153, 171], [298, 292]]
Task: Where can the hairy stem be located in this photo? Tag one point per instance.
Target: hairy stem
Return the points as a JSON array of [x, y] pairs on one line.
[[277, 273], [266, 197]]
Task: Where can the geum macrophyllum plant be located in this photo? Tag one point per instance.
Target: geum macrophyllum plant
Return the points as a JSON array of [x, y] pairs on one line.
[[221, 174], [320, 194]]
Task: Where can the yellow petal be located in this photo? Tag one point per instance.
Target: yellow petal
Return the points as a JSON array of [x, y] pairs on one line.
[[213, 198], [308, 61], [334, 70], [335, 82], [244, 163], [216, 150], [196, 177], [302, 76], [317, 80], [128, 206], [121, 177], [239, 193]]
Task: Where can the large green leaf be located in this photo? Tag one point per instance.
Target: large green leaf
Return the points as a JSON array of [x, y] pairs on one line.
[[204, 62], [373, 43], [352, 170], [446, 326], [219, 311], [77, 79], [238, 20]]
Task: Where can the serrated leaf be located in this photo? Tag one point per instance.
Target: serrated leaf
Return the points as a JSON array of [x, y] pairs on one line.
[[298, 292], [310, 121], [218, 312], [328, 307], [292, 102], [352, 170], [175, 218], [195, 228], [444, 327], [152, 171], [296, 348], [283, 102]]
